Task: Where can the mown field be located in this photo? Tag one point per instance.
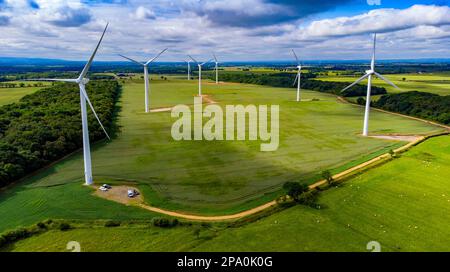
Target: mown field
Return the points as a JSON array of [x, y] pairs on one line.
[[10, 95], [403, 204], [438, 83]]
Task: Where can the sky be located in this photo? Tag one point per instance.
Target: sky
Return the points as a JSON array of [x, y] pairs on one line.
[[235, 30]]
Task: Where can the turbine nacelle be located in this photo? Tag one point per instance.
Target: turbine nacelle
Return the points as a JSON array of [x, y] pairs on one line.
[[83, 81], [370, 72]]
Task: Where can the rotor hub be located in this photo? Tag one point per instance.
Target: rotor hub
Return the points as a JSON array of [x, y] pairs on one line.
[[84, 81], [370, 72]]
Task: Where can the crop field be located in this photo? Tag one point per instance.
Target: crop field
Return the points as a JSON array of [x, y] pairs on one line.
[[404, 205], [199, 176], [438, 83]]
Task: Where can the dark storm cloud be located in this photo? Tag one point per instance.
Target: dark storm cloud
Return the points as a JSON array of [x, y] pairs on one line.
[[70, 17], [260, 12]]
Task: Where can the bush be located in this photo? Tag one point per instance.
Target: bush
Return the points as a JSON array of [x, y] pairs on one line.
[[294, 189], [41, 225], [327, 176], [164, 222], [112, 223], [15, 235], [360, 101], [308, 198], [63, 226], [2, 241]]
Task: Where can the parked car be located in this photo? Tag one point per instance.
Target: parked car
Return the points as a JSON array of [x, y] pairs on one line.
[[107, 186], [103, 189], [132, 193]]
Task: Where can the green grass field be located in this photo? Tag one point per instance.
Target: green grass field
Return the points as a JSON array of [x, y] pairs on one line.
[[438, 83], [403, 204], [224, 176], [198, 176], [10, 95]]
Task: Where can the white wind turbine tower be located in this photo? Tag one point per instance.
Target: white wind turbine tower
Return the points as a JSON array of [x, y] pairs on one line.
[[146, 79], [216, 68], [368, 75], [82, 80], [189, 69], [298, 77], [199, 73]]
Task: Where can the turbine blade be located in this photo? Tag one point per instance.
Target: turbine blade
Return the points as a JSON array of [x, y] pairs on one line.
[[206, 62], [295, 80], [296, 58], [386, 80], [130, 59], [151, 60], [372, 63], [88, 64], [215, 58], [193, 59], [93, 110], [356, 82], [53, 79]]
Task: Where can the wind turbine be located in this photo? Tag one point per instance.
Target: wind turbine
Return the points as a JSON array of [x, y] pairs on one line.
[[199, 73], [146, 81], [189, 68], [368, 75], [82, 80], [298, 77], [216, 68]]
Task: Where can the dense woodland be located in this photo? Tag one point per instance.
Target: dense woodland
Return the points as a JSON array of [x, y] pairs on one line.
[[287, 80], [46, 125], [420, 104]]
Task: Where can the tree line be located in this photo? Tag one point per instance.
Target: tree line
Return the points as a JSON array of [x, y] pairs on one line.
[[46, 125], [20, 85], [420, 104], [287, 79]]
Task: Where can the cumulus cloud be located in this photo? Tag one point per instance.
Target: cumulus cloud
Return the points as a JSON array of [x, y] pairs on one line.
[[379, 20], [143, 13], [70, 17]]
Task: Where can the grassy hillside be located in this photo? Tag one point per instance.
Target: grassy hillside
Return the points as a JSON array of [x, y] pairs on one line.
[[404, 205]]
